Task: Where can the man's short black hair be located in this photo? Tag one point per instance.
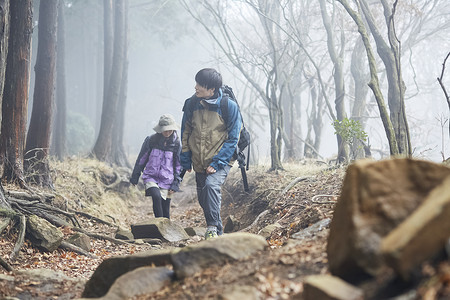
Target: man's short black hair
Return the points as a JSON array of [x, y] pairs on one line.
[[209, 78]]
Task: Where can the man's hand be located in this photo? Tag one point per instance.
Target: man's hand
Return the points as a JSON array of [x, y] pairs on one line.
[[210, 170]]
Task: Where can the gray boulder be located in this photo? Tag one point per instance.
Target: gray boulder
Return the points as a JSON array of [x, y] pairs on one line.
[[312, 230], [217, 251], [160, 228], [231, 224], [267, 231], [112, 268], [193, 231], [124, 234], [80, 240], [43, 233], [144, 280]]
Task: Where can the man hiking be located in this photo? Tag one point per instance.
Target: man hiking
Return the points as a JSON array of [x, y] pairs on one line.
[[208, 143]]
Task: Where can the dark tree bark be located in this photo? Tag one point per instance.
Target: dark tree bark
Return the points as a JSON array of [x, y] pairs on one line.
[[4, 35], [38, 138], [102, 148], [15, 95], [59, 127]]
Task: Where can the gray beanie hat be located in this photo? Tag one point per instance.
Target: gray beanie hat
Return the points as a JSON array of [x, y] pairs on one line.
[[166, 122]]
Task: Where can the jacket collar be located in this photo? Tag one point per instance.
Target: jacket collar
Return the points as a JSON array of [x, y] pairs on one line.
[[215, 100]]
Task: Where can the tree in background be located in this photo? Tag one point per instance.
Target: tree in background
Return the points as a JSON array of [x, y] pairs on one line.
[[58, 148], [389, 51], [4, 35], [38, 138], [374, 83], [336, 52], [15, 93], [103, 146], [118, 152], [263, 66]]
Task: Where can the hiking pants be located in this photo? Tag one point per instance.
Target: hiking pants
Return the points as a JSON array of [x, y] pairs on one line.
[[161, 207], [209, 196]]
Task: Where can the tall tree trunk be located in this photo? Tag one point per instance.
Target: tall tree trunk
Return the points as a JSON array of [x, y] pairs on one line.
[[102, 147], [389, 53], [374, 83], [59, 128], [119, 156], [100, 70], [4, 36], [38, 138], [338, 75], [360, 78], [15, 96]]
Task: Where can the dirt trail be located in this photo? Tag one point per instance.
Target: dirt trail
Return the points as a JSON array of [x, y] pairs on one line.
[[276, 272], [295, 198]]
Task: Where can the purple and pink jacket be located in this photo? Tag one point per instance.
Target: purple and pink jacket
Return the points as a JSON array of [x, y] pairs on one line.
[[159, 162]]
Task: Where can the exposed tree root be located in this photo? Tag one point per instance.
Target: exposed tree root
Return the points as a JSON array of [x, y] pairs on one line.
[[5, 265], [284, 191], [81, 213], [21, 236], [313, 199], [4, 224], [292, 183], [256, 220], [101, 237], [71, 247], [15, 204]]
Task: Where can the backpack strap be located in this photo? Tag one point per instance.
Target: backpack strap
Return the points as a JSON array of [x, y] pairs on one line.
[[224, 108]]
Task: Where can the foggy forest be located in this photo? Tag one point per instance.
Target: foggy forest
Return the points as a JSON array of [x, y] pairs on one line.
[[334, 80]]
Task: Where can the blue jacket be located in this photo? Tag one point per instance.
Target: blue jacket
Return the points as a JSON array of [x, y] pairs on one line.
[[207, 140]]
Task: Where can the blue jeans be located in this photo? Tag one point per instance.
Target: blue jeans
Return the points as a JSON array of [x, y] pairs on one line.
[[209, 196]]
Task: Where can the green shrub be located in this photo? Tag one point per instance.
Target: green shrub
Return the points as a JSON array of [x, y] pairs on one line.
[[351, 133]]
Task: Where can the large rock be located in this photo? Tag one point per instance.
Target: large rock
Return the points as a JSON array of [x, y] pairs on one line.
[[144, 280], [195, 231], [422, 235], [80, 240], [194, 257], [160, 228], [376, 197], [124, 234], [326, 287], [43, 234], [231, 224], [312, 230], [112, 268], [267, 231], [217, 251]]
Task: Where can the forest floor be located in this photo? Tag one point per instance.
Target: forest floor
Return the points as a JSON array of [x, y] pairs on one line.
[[296, 197]]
